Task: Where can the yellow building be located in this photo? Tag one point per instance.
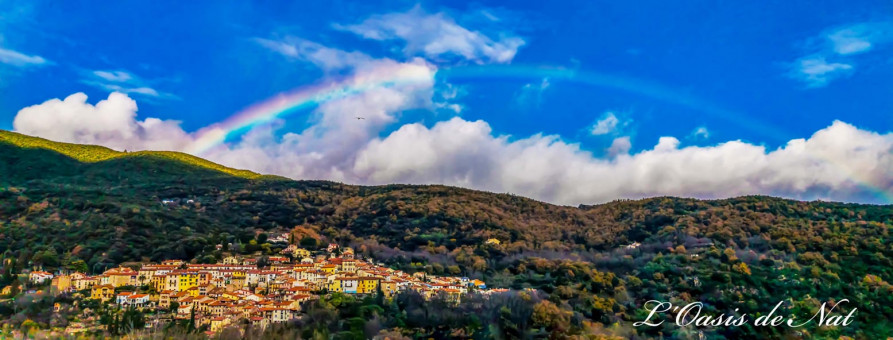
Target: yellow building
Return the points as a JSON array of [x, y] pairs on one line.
[[492, 241], [218, 323], [389, 288], [85, 283], [348, 265], [344, 285], [451, 295], [329, 268], [186, 280], [368, 285], [164, 299], [301, 253], [335, 285], [121, 276], [61, 283], [159, 282], [103, 292]]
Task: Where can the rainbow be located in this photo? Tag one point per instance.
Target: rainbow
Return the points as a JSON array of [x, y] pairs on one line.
[[301, 98], [307, 97]]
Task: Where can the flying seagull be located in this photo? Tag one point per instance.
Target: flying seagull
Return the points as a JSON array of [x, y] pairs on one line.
[[358, 117]]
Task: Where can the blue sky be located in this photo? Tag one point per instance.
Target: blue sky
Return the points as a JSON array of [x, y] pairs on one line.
[[705, 73]]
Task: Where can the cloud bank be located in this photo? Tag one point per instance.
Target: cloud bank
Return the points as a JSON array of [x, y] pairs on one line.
[[835, 163], [111, 122]]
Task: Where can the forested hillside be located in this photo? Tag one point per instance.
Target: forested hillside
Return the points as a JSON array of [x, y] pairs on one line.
[[90, 208]]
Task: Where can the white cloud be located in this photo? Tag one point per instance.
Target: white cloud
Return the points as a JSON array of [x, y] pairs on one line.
[[123, 82], [532, 94], [830, 164], [700, 132], [437, 35], [19, 59], [116, 76], [619, 146], [111, 122], [465, 153], [815, 71], [860, 38], [326, 58], [832, 57], [608, 123]]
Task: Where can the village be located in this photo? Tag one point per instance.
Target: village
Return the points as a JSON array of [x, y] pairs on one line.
[[239, 290]]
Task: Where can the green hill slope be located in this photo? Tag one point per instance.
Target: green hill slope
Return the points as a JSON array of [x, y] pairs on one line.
[[94, 153]]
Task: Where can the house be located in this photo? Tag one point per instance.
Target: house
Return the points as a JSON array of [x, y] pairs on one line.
[[231, 260], [102, 292], [451, 295], [348, 265], [218, 323], [345, 285], [6, 290], [277, 259], [184, 310], [137, 300], [297, 252], [329, 268], [121, 298], [492, 241], [368, 285], [388, 287], [331, 247], [164, 299], [121, 276], [282, 238], [258, 321], [61, 283], [275, 314], [633, 245], [39, 277], [84, 282]]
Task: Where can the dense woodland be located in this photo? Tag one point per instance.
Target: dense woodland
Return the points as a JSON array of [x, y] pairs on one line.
[[61, 209]]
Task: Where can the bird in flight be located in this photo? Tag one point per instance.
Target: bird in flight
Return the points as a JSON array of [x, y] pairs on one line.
[[358, 117]]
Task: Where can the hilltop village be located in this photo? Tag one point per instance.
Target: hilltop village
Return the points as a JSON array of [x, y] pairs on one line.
[[259, 291]]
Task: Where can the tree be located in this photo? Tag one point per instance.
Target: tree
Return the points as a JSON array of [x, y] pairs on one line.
[[547, 314], [132, 319], [309, 243], [742, 268], [77, 265]]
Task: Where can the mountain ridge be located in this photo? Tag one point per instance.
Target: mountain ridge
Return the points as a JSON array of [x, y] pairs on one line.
[[89, 153]]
